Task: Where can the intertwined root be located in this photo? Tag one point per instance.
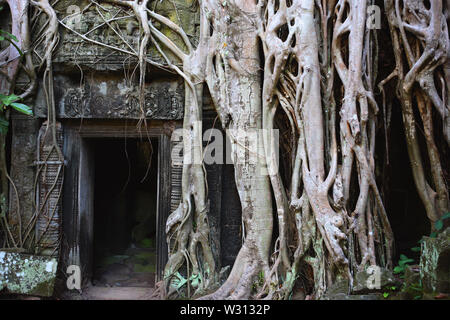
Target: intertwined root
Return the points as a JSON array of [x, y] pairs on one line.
[[420, 31]]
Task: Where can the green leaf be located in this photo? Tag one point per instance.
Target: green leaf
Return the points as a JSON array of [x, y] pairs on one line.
[[386, 294], [446, 216], [405, 262], [403, 257], [433, 235], [179, 282], [7, 100], [11, 39], [439, 225], [398, 269], [9, 35], [415, 249], [22, 108]]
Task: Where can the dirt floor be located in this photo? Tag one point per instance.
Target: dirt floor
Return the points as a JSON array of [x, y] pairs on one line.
[[129, 276]]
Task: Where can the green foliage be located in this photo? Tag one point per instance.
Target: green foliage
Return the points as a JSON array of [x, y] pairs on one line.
[[259, 282], [415, 290], [10, 101], [261, 278], [179, 281], [439, 224], [6, 36], [402, 264]]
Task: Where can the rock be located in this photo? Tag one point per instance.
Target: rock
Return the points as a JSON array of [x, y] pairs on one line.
[[366, 286], [343, 296], [435, 263], [339, 287], [27, 274], [373, 280]]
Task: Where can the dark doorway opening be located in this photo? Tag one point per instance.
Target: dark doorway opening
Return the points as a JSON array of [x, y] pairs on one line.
[[125, 211], [405, 210]]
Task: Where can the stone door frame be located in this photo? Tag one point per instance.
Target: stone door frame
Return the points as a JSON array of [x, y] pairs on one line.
[[77, 220]]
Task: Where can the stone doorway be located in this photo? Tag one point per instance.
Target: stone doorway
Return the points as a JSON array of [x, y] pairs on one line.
[[117, 193], [125, 211]]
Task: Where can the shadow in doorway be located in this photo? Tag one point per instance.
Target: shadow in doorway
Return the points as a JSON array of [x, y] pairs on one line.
[[125, 211]]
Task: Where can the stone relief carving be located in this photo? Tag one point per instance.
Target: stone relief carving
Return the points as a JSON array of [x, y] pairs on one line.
[[114, 99], [75, 103]]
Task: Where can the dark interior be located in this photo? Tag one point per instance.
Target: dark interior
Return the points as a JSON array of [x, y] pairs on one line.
[[403, 205], [125, 209], [5, 23]]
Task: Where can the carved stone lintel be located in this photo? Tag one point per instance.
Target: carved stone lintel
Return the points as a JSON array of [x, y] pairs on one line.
[[114, 98]]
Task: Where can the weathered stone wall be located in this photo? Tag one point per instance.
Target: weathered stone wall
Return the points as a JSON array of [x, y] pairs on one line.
[[24, 143], [435, 263]]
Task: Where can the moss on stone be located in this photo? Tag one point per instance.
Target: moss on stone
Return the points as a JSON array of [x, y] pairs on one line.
[[27, 274], [434, 271]]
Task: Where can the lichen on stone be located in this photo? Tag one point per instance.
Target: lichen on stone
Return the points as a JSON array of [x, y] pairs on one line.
[[27, 274]]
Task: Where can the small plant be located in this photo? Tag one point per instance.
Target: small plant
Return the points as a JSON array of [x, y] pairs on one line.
[[414, 289], [417, 287], [402, 264], [391, 289], [6, 36], [439, 225], [11, 101], [259, 282], [261, 278]]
